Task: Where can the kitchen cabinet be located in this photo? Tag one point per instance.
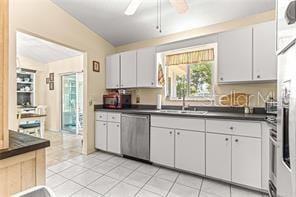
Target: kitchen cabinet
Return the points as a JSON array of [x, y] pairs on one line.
[[190, 151], [108, 132], [128, 72], [264, 52], [146, 67], [162, 146], [246, 161], [265, 165], [113, 71], [243, 128], [114, 137], [101, 135], [235, 55], [218, 156]]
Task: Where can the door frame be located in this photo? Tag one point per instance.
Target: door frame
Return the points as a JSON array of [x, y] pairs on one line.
[[61, 100]]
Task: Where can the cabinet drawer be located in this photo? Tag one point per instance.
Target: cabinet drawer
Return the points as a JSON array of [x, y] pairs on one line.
[[195, 124], [102, 116], [244, 128], [114, 117]]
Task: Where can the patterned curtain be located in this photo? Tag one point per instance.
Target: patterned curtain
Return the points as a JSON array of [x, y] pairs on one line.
[[192, 57]]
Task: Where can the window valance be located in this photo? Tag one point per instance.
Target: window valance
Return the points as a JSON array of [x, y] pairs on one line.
[[191, 57]]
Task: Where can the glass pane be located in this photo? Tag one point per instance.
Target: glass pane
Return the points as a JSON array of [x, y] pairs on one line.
[[200, 79], [177, 80], [69, 106]]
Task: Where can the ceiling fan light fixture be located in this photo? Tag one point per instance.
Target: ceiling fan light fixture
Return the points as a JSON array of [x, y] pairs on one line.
[[132, 7]]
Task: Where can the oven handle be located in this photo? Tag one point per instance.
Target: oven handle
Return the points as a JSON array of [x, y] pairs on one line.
[[273, 141]]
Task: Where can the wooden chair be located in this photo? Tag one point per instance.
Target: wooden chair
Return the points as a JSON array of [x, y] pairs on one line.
[[28, 127]]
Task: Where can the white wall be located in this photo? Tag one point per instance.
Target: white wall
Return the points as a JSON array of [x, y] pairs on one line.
[[53, 97], [44, 19]]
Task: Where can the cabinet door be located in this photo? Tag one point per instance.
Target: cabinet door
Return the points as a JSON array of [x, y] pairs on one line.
[[235, 55], [101, 135], [112, 71], [264, 52], [114, 137], [218, 156], [246, 161], [128, 69], [146, 67], [162, 146], [190, 151]]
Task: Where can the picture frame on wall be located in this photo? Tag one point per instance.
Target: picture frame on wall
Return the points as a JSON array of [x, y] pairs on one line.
[[51, 85], [96, 66], [47, 80], [51, 76]]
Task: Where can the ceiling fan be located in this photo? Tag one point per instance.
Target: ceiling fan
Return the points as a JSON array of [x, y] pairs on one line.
[[181, 6]]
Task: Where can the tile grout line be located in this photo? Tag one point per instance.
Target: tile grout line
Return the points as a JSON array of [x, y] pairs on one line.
[[142, 188], [200, 187], [173, 185]]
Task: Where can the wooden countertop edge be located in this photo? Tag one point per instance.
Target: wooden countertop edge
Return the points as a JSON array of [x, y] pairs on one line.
[[21, 143]]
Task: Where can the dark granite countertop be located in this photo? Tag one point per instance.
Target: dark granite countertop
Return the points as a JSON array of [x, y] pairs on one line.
[[219, 115], [20, 143]]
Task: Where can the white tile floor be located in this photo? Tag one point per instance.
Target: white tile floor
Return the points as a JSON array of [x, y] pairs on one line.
[[102, 174]]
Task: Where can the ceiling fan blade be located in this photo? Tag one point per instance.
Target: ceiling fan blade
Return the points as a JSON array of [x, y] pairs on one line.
[[132, 7], [180, 5]]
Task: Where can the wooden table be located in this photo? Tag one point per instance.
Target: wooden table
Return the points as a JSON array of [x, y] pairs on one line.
[[34, 117]]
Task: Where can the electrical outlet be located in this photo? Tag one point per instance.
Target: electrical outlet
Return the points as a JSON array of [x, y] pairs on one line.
[[138, 99]]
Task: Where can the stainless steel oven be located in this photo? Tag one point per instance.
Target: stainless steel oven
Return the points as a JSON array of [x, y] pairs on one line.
[[273, 145]]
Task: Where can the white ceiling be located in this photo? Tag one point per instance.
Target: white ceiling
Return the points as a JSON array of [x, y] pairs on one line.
[[41, 50], [106, 17]]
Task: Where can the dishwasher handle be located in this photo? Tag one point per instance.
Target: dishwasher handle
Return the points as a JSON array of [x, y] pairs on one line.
[[135, 116]]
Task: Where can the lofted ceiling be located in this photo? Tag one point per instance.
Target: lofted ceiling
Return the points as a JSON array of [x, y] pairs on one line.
[[106, 17], [41, 50]]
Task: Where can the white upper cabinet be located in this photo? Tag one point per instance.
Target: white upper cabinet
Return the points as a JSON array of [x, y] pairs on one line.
[[235, 55], [264, 51], [113, 71], [128, 74], [146, 67]]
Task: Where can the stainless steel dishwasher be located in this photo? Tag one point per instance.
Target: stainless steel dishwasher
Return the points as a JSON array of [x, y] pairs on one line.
[[135, 136]]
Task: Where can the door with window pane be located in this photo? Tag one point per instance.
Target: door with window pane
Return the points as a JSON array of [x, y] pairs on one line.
[[72, 104]]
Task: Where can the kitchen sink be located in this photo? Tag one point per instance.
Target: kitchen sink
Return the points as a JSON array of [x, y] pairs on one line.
[[183, 112]]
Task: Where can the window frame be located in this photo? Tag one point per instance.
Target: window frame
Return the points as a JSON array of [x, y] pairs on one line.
[[209, 98]]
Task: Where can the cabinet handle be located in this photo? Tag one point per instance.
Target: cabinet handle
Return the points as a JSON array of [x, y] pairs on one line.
[[101, 116], [178, 133], [231, 128], [152, 83], [117, 125], [226, 139], [236, 140], [258, 76], [221, 78], [171, 132], [113, 118]]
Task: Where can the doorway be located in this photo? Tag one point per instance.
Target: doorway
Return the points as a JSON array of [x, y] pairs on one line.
[[72, 103]]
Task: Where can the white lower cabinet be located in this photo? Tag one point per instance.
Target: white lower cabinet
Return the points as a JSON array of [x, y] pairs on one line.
[[190, 151], [107, 135], [101, 135], [246, 161], [218, 156], [162, 146], [114, 137]]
